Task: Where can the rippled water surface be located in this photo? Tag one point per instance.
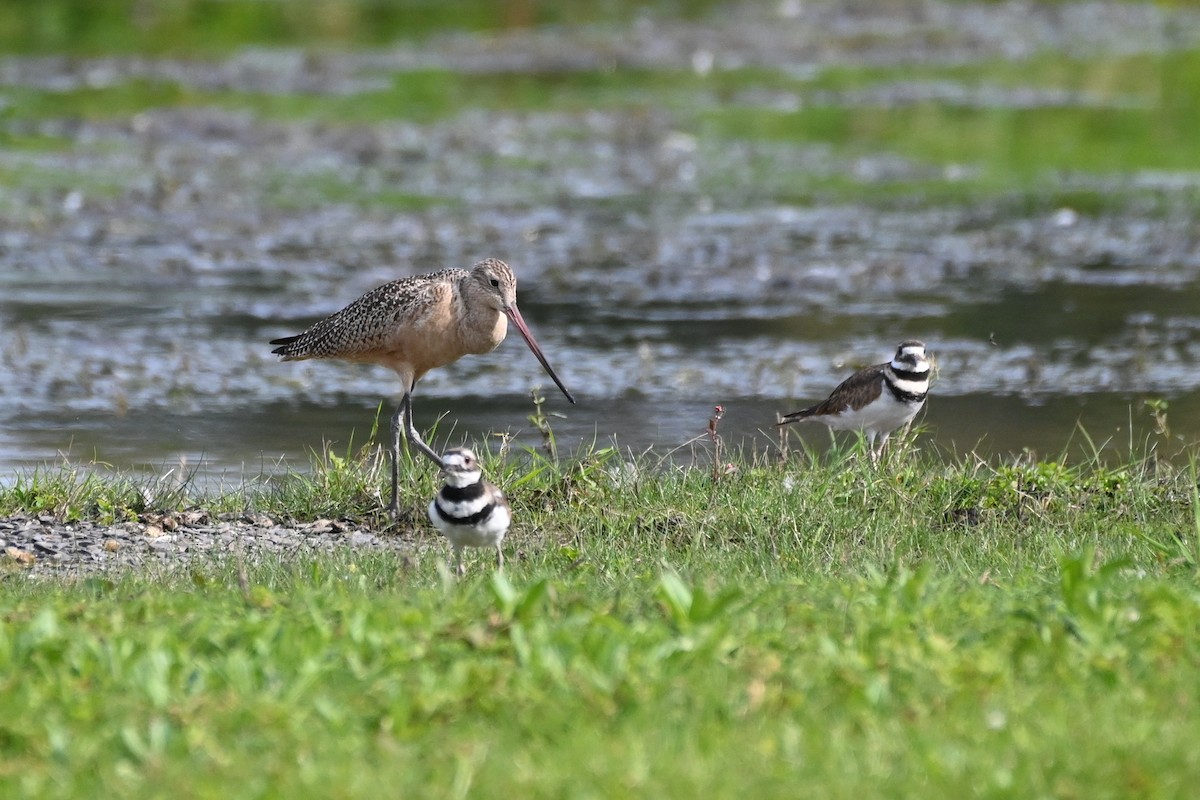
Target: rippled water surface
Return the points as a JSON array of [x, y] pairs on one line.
[[151, 248]]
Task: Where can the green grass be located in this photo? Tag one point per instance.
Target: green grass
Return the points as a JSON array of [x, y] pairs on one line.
[[1140, 116], [213, 27], [1140, 113], [1009, 629], [1133, 114], [423, 96], [290, 190]]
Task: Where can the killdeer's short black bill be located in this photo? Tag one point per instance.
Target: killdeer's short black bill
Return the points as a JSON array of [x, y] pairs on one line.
[[468, 510], [877, 400]]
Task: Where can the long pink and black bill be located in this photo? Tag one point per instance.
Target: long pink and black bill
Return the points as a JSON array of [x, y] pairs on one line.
[[515, 315]]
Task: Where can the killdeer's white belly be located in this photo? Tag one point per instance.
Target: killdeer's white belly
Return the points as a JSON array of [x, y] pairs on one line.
[[461, 530], [885, 413]]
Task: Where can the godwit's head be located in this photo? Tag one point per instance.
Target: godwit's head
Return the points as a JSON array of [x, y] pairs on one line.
[[498, 283], [500, 288], [460, 467]]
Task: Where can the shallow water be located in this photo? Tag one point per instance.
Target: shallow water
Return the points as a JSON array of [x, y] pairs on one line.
[[224, 449], [144, 268]]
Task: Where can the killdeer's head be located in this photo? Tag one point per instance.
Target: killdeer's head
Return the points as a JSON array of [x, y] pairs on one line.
[[910, 357], [460, 467]]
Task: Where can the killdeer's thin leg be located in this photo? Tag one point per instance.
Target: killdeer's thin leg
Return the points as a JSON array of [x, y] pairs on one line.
[[871, 451]]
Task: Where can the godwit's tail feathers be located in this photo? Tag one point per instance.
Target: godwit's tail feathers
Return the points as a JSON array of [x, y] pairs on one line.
[[285, 345]]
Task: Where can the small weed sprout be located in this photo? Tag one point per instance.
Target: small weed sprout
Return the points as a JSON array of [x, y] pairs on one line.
[[1158, 411], [540, 420], [718, 444], [505, 444], [781, 431]]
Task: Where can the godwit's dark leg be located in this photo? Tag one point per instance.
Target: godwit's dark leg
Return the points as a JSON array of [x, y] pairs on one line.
[[413, 436], [397, 421], [402, 424]]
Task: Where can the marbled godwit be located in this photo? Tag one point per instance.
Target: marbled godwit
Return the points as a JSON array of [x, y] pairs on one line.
[[860, 401], [414, 325], [469, 511]]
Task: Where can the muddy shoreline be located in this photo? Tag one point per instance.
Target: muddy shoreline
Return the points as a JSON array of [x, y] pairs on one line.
[[44, 546]]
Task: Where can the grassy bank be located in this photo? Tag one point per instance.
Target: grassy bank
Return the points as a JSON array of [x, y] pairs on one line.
[[830, 630]]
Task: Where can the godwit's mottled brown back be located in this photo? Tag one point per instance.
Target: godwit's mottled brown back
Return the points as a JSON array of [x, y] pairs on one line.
[[369, 324], [416, 324]]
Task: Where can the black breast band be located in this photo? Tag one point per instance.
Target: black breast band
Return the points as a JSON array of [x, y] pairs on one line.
[[476, 518], [903, 396], [462, 494]]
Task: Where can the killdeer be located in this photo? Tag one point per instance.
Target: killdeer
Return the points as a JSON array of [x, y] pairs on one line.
[[877, 400], [468, 510]]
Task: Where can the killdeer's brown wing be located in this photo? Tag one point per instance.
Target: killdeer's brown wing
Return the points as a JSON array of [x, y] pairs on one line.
[[855, 392], [498, 497]]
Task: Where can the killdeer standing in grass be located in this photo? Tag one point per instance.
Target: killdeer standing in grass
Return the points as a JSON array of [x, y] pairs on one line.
[[877, 400], [468, 510]]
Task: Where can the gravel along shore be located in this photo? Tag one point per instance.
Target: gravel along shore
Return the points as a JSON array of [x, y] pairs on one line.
[[45, 545]]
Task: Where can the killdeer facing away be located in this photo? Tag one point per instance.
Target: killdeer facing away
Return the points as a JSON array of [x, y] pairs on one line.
[[468, 510], [877, 400]]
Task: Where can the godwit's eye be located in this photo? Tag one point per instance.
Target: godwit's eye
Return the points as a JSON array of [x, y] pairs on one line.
[[495, 283]]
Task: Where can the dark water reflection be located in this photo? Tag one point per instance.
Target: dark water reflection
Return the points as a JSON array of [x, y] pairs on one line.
[[230, 448]]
